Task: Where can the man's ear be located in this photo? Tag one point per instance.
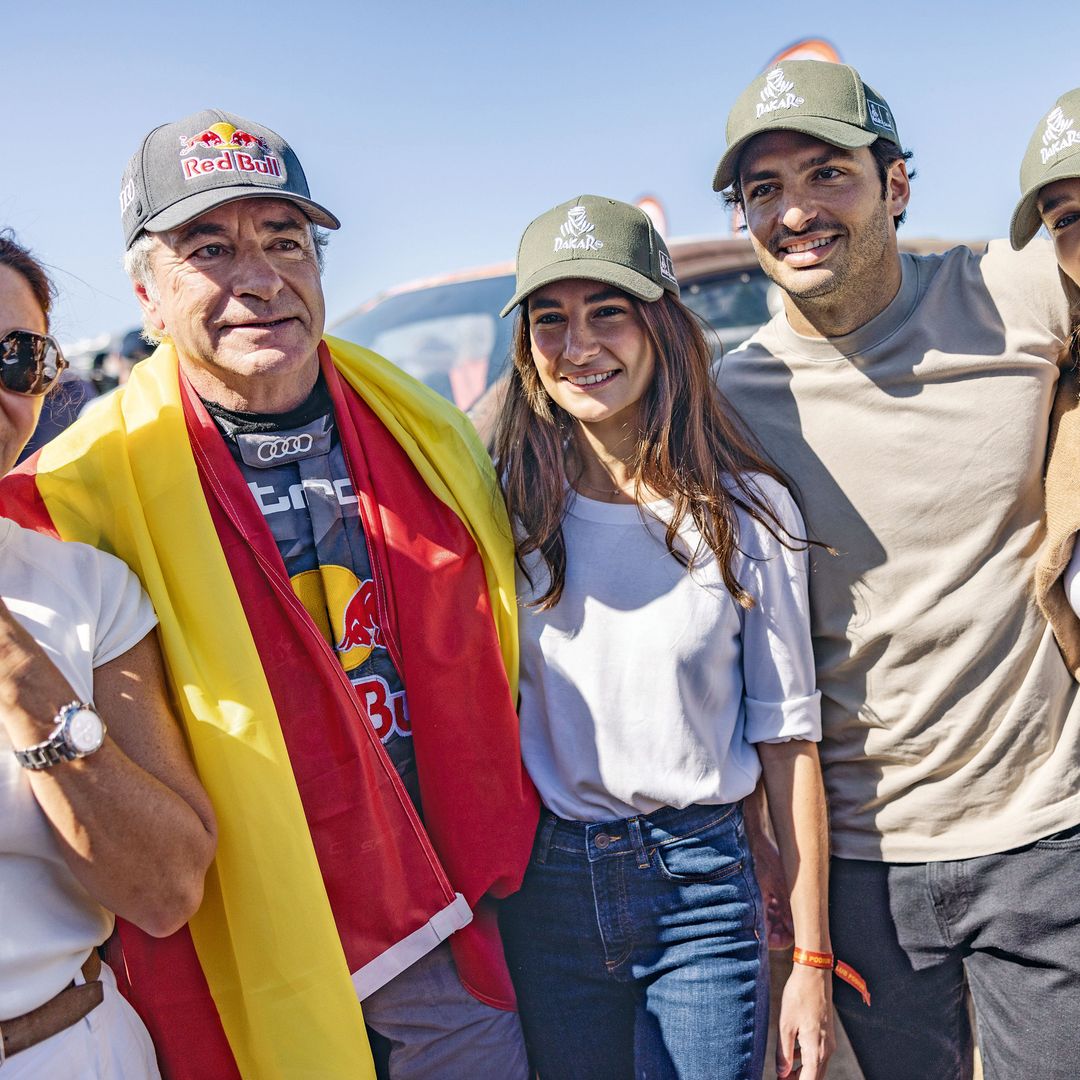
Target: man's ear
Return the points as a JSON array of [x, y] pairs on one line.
[[897, 187], [150, 306]]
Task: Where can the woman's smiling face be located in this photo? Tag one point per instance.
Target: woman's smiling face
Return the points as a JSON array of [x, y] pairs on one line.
[[1059, 208], [591, 350], [19, 310]]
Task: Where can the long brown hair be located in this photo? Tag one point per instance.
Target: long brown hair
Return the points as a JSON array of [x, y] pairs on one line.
[[691, 451], [19, 259]]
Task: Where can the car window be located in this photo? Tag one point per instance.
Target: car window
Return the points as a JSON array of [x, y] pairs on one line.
[[448, 336], [733, 304]]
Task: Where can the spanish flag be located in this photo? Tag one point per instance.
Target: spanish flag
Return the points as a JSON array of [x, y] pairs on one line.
[[326, 883]]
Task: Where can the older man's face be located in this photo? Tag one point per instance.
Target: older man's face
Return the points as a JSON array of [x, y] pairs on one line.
[[239, 294]]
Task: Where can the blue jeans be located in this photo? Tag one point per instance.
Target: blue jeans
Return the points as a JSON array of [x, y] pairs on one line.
[[637, 948], [1005, 927]]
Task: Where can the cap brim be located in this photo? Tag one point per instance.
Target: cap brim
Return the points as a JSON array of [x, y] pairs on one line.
[[1026, 221], [199, 203], [825, 128], [622, 277]]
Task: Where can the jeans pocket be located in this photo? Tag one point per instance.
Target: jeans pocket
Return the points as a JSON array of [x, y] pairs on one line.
[[709, 856], [1065, 840]]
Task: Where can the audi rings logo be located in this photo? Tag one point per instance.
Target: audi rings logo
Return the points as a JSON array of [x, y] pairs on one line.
[[291, 446]]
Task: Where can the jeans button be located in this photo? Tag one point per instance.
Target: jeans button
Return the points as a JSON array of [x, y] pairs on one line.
[[602, 841]]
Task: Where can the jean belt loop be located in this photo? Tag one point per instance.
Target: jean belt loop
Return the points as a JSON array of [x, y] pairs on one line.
[[544, 835], [638, 843]]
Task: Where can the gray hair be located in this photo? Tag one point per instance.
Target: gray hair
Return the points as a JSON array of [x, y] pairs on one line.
[[138, 269]]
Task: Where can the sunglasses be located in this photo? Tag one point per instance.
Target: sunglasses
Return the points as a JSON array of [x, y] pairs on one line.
[[29, 362]]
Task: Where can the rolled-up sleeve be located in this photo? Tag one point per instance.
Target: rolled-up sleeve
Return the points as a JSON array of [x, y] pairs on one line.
[[781, 696]]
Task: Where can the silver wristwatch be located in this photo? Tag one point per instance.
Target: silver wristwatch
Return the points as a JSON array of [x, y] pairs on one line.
[[79, 732]]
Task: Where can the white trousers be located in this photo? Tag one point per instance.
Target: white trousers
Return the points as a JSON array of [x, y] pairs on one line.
[[109, 1043]]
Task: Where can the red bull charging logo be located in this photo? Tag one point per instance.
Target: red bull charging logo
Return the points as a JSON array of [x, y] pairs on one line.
[[360, 622], [224, 148]]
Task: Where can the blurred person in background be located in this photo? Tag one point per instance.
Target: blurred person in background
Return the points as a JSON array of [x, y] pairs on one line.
[[59, 409], [112, 368], [100, 810]]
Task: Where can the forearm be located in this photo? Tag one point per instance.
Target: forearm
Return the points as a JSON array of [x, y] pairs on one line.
[[797, 810], [138, 846]]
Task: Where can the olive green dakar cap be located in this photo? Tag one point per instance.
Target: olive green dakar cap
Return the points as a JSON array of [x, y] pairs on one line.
[[598, 239], [1052, 154], [828, 101]]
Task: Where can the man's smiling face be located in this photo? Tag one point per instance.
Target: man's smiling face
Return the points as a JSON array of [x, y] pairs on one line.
[[818, 219], [239, 294]]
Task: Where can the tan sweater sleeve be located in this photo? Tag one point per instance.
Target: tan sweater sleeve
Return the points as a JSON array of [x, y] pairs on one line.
[[1062, 514]]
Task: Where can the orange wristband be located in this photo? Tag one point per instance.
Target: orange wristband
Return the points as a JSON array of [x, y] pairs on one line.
[[826, 960]]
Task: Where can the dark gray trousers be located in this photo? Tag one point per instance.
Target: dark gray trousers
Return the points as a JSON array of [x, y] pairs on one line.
[[1007, 926]]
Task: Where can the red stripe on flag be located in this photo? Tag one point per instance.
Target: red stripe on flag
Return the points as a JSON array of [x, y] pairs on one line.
[[21, 501]]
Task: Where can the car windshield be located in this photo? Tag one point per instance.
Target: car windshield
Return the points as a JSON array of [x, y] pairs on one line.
[[448, 336], [451, 337], [733, 304]]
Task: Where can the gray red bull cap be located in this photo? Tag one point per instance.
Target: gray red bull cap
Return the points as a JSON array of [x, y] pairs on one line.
[[185, 168]]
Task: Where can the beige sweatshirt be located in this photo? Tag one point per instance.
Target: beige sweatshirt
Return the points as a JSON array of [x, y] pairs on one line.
[[915, 446], [1062, 513]]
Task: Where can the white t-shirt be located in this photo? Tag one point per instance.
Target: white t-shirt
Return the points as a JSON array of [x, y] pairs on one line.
[[646, 685], [84, 608]]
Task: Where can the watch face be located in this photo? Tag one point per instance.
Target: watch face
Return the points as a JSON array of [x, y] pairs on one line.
[[85, 731]]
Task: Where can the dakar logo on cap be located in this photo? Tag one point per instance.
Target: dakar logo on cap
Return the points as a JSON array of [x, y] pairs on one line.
[[666, 269], [576, 232], [778, 93], [1059, 135], [879, 115], [231, 150]]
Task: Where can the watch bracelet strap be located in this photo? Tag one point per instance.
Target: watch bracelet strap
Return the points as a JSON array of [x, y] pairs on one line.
[[45, 754]]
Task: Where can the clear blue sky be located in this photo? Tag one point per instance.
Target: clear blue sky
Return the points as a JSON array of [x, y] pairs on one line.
[[437, 131]]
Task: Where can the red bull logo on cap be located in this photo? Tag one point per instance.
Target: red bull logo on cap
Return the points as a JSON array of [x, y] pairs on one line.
[[230, 150]]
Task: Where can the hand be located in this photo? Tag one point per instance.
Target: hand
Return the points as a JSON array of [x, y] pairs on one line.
[[806, 1016], [779, 926]]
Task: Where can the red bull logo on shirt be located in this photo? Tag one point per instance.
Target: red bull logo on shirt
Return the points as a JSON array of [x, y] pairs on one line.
[[345, 609], [360, 621], [230, 150]]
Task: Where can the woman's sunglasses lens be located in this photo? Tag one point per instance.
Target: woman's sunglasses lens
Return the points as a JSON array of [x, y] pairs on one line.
[[29, 363]]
